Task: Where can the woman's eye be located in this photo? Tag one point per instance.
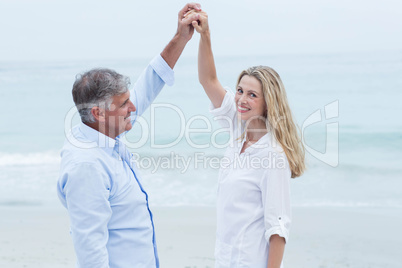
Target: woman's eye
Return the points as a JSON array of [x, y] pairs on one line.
[[239, 90], [253, 95]]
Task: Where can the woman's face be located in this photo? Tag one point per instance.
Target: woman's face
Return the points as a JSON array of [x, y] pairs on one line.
[[250, 99]]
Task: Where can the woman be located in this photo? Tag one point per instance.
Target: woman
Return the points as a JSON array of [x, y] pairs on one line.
[[253, 204]]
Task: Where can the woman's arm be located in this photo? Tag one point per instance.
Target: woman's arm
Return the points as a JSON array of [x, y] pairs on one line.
[[276, 249], [275, 193], [206, 65]]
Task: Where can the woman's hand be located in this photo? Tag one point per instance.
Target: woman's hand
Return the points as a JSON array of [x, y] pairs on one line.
[[200, 25]]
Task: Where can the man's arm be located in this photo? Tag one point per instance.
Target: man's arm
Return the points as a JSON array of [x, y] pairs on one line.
[[159, 72], [185, 31], [86, 190]]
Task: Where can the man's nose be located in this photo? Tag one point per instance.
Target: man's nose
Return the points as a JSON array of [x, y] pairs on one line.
[[132, 107]]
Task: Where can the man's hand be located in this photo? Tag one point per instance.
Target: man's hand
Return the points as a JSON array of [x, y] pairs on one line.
[[185, 21]]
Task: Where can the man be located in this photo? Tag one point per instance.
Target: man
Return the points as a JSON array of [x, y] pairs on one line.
[[111, 223]]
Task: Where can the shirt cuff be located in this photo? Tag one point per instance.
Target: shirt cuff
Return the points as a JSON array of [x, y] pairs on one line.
[[278, 231], [163, 70]]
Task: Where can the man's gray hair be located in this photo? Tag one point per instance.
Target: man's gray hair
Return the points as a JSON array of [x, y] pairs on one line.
[[97, 88]]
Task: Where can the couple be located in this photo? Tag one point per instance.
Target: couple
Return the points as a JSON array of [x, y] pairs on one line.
[[111, 222]]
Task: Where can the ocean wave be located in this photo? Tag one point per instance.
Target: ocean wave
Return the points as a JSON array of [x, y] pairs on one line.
[[18, 203], [29, 159]]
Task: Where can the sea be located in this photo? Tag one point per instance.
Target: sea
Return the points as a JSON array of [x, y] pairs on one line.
[[347, 106]]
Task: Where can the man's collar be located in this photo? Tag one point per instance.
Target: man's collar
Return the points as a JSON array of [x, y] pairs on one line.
[[104, 142]]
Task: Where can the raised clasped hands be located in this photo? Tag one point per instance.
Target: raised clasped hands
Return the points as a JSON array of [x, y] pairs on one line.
[[201, 23], [185, 27]]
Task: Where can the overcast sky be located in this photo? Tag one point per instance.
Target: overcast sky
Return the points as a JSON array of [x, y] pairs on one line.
[[63, 30]]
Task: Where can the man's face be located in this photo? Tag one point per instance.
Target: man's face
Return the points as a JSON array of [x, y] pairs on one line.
[[118, 116]]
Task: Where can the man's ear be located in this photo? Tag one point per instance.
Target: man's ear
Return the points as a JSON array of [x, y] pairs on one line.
[[99, 114]]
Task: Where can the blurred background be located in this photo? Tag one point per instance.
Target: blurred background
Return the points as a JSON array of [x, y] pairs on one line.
[[343, 53]]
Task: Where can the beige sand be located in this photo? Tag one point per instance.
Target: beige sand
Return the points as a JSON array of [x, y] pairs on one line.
[[37, 237]]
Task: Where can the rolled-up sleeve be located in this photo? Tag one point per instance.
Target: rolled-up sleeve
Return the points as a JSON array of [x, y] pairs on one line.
[[226, 114], [150, 83], [86, 188], [164, 71], [275, 189]]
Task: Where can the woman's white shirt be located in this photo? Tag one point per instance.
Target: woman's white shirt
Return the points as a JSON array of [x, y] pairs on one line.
[[253, 200]]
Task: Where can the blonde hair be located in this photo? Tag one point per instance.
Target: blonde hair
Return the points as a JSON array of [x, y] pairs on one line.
[[279, 119]]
